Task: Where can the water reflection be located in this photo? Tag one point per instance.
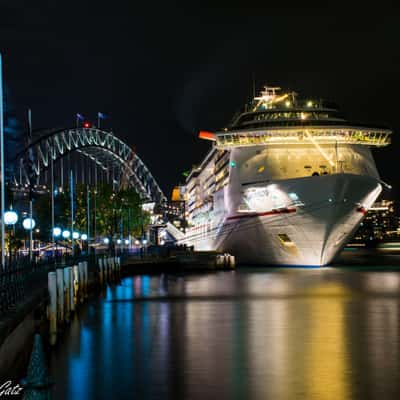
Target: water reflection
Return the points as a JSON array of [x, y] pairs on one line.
[[253, 334]]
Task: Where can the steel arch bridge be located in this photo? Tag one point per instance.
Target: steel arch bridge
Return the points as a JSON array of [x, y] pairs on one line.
[[101, 147]]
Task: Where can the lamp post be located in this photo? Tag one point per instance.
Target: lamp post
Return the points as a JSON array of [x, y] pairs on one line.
[[29, 224], [10, 218], [56, 233]]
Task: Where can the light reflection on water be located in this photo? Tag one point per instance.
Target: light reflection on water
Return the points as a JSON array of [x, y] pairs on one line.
[[249, 334]]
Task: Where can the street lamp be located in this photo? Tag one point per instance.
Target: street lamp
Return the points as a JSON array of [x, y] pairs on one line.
[[28, 223], [119, 241], [75, 235], [106, 240], [56, 231], [127, 241], [10, 217], [84, 236], [66, 234]]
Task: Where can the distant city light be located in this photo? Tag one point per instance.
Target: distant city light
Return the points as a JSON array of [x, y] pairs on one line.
[[66, 234], [144, 241], [126, 241], [75, 235], [84, 236], [106, 240], [28, 223], [309, 103], [119, 241], [137, 242]]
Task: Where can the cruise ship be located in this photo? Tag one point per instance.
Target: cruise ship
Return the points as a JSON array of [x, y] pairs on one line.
[[286, 183]]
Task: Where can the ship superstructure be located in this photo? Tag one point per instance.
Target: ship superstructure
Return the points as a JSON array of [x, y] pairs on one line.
[[287, 182]]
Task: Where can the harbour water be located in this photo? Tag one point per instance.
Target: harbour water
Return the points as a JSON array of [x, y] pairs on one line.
[[253, 333]]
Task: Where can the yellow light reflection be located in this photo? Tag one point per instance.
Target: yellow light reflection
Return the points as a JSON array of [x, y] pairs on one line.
[[327, 364]]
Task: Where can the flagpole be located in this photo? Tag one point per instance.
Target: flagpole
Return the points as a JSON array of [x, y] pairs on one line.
[[30, 191], [3, 256], [98, 120]]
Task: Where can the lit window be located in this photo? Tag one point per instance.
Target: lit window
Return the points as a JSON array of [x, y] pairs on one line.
[[285, 240], [261, 169]]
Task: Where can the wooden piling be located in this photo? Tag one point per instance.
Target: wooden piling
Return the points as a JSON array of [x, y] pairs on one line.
[[67, 292], [52, 307], [60, 295], [76, 285]]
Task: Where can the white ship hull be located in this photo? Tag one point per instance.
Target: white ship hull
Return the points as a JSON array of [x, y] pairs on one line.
[[308, 231]]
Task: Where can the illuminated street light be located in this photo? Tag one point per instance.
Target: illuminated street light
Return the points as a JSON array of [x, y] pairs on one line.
[[56, 231], [10, 217], [119, 241], [106, 240], [127, 241], [84, 236], [66, 234], [144, 241], [137, 242], [28, 223], [75, 235]]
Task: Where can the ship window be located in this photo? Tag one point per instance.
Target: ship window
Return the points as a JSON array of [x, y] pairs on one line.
[[285, 239], [260, 169], [307, 166], [315, 174]]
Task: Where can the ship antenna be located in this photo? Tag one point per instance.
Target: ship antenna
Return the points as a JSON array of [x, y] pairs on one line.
[[254, 84]]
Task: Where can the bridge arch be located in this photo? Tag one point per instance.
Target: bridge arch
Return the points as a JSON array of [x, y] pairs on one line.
[[101, 147]]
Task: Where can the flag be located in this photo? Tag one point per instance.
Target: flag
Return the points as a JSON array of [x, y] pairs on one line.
[[101, 115], [80, 117]]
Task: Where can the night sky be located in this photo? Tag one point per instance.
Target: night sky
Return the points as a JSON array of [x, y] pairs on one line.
[[162, 71]]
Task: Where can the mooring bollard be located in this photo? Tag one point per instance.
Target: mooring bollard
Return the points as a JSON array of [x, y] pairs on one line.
[[52, 307], [60, 295], [67, 302], [38, 381], [76, 285], [71, 290]]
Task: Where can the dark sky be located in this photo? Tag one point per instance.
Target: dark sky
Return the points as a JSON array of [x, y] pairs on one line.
[[162, 71]]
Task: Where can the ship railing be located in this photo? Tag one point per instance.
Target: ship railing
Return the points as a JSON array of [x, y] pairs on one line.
[[376, 138]]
